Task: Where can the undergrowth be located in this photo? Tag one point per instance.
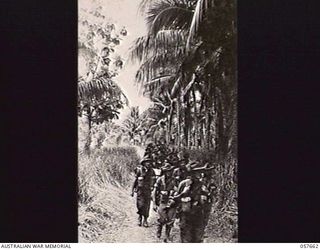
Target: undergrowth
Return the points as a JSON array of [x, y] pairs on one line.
[[101, 177]]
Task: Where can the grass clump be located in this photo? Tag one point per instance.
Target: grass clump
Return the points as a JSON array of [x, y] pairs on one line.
[[102, 176]]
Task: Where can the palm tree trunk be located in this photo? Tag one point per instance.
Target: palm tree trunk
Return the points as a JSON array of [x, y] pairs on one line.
[[220, 128], [202, 124], [88, 139], [208, 120], [170, 123], [178, 121], [208, 131], [187, 121], [168, 130], [195, 124]]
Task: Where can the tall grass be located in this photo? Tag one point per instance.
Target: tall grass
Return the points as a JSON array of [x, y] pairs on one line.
[[101, 177]]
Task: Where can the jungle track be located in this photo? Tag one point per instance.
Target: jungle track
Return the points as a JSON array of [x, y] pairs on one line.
[[125, 229]]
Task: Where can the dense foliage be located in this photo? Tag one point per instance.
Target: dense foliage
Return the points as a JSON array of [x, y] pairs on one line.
[[99, 97], [188, 69]]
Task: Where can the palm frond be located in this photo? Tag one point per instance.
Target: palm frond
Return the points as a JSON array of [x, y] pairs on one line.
[[189, 86], [158, 85], [161, 79], [159, 64], [146, 46], [176, 87], [201, 7], [100, 87], [170, 38], [144, 4], [168, 15], [140, 48], [95, 88]]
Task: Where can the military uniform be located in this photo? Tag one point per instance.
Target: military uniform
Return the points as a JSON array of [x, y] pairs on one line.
[[143, 186], [180, 172], [164, 188], [178, 191], [191, 195]]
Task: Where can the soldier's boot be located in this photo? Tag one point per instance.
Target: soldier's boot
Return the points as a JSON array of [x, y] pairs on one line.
[[140, 221], [178, 212], [159, 229], [165, 235], [185, 229], [168, 230], [145, 221], [197, 236]]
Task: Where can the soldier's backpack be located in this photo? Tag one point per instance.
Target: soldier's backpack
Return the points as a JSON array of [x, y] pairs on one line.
[[140, 173], [165, 191], [140, 181], [186, 201]]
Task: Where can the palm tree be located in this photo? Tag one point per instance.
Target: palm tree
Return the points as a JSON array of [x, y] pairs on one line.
[[188, 69], [189, 49], [132, 125]]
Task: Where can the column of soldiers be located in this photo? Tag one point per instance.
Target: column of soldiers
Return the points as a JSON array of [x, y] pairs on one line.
[[182, 190]]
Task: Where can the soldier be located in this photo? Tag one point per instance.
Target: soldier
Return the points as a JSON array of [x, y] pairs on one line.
[[184, 157], [153, 156], [180, 172], [148, 150], [164, 188], [142, 185], [190, 195], [172, 157]]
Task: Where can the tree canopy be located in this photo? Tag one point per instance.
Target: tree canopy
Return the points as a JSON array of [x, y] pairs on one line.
[[99, 96], [188, 67]]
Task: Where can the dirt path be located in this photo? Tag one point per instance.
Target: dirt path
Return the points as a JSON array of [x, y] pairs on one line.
[[125, 227], [127, 230], [120, 225]]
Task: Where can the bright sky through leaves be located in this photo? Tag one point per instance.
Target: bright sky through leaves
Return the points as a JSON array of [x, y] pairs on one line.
[[123, 13]]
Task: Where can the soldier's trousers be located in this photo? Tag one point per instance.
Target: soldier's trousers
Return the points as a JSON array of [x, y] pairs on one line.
[[166, 217], [206, 213], [143, 202], [191, 227]]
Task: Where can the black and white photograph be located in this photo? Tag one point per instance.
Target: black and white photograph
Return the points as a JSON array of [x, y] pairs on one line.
[[157, 121]]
